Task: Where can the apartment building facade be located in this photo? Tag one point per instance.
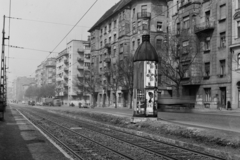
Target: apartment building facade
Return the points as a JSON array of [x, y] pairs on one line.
[[210, 23], [45, 73], [235, 54], [62, 69], [117, 34], [78, 61]]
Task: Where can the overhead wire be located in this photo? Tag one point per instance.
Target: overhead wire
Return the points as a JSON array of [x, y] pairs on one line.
[[17, 18], [17, 47], [71, 29]]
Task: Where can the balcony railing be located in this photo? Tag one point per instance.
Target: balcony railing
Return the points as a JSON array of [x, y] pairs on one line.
[[80, 68], [66, 61], [80, 60], [107, 45], [208, 25], [143, 15], [66, 69], [80, 51], [65, 77], [107, 60]]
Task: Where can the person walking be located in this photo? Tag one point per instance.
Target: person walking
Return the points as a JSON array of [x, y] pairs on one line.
[[229, 105]]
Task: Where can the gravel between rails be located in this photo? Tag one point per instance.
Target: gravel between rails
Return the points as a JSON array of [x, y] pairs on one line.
[[87, 149], [160, 148]]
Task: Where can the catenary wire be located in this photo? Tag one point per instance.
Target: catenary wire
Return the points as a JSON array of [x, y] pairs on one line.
[[17, 18]]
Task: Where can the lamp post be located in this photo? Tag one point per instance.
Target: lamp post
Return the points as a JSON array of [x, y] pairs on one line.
[[145, 62]]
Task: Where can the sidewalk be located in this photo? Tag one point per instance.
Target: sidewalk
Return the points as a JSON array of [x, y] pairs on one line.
[[20, 140], [12, 145]]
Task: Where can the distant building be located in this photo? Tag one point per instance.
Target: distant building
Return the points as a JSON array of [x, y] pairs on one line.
[[79, 60], [62, 69], [45, 73], [70, 66], [18, 88]]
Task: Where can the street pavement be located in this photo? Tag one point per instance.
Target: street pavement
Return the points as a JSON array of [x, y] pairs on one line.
[[19, 140], [228, 120]]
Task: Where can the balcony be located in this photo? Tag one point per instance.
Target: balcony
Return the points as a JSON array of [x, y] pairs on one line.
[[80, 60], [80, 51], [205, 26], [66, 69], [107, 59], [80, 68], [65, 77], [66, 61], [143, 15], [65, 84], [80, 76], [107, 45]]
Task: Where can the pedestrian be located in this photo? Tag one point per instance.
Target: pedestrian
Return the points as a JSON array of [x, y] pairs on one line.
[[229, 105]]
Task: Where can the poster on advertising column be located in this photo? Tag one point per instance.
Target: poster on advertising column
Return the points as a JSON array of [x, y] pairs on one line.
[[150, 77]]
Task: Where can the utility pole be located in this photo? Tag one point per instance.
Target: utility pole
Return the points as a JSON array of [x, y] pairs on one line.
[[3, 102]]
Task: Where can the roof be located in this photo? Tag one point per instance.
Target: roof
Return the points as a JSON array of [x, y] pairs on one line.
[[145, 52], [114, 9]]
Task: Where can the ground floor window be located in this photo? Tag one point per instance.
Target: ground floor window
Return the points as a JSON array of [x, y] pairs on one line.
[[119, 97], [207, 94]]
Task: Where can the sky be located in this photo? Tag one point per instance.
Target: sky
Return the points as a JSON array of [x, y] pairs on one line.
[[33, 35]]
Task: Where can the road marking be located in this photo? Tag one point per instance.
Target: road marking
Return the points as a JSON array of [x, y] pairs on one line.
[[55, 144]]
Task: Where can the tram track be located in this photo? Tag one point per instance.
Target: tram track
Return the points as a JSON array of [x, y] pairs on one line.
[[151, 146]]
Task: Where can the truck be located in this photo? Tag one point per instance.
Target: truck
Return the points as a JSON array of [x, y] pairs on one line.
[[47, 101]]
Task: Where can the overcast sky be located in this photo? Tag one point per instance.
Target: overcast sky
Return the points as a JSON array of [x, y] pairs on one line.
[[45, 36]]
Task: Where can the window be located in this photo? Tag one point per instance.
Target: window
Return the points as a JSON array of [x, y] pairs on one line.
[[138, 42], [207, 94], [222, 67], [115, 24], [222, 39], [119, 98], [238, 60], [101, 44], [114, 37], [100, 58], [105, 41], [207, 17], [159, 26], [114, 52], [178, 28], [105, 30], [121, 48], [207, 69], [207, 43], [238, 29], [133, 45], [185, 71], [133, 27], [158, 44], [139, 26], [186, 22], [133, 13], [144, 8], [109, 27], [238, 3], [145, 25], [223, 11], [110, 40]]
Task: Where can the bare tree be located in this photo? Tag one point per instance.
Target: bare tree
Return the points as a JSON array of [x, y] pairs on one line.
[[113, 79], [86, 84], [180, 61], [126, 72]]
